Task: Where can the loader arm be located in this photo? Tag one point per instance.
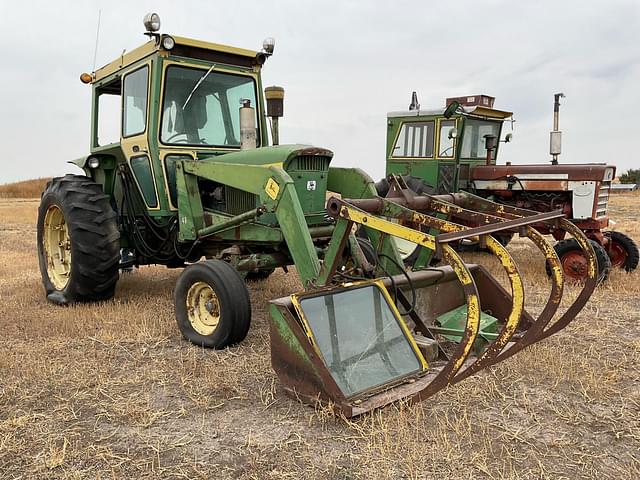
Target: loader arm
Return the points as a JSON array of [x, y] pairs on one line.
[[277, 194]]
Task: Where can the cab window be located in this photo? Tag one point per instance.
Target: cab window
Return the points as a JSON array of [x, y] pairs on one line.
[[446, 143], [134, 111], [473, 143], [415, 140], [108, 103]]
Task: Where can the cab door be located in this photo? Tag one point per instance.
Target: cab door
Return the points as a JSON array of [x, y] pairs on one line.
[[134, 142]]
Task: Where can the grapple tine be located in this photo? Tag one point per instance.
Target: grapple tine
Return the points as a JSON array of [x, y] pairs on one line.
[[538, 331], [589, 285], [517, 291], [472, 327], [491, 353], [533, 332]]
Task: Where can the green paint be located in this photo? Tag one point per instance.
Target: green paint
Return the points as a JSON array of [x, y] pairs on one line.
[[289, 338], [454, 321], [446, 172]]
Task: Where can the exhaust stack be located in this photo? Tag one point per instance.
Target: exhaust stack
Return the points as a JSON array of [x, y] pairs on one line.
[[247, 125], [555, 143]]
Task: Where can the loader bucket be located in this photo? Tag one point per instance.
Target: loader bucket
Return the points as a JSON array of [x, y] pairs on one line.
[[349, 347], [358, 345]]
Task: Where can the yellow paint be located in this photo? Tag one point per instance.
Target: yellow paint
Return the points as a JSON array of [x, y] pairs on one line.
[[436, 152], [151, 47], [125, 60], [473, 303], [517, 289], [56, 244], [358, 216], [395, 140], [141, 140], [403, 325], [204, 68], [490, 112], [217, 47], [550, 254], [295, 300], [272, 188], [163, 155], [203, 308]]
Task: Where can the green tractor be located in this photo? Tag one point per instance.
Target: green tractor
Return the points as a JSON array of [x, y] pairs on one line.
[[191, 181], [456, 147]]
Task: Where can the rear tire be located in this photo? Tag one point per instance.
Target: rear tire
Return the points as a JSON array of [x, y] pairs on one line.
[[213, 308], [622, 251], [78, 241], [574, 263]]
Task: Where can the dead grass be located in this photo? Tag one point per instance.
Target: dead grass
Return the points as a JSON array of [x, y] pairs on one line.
[[112, 391], [25, 189]]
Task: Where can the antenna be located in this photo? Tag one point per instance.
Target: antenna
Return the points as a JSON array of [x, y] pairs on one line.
[[95, 50]]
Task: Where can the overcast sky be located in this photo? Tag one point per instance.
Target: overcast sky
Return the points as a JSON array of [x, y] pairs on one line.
[[344, 64]]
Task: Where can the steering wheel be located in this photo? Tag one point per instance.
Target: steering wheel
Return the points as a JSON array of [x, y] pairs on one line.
[[444, 152], [182, 140]]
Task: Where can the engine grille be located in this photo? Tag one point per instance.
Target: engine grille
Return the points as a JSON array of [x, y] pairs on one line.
[[310, 163], [239, 201], [603, 199]]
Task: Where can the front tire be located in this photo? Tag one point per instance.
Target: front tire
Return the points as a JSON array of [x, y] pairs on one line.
[[78, 241], [575, 264], [622, 251], [213, 308]]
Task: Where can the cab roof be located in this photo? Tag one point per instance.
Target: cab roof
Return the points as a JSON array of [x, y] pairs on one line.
[[472, 111], [182, 44]]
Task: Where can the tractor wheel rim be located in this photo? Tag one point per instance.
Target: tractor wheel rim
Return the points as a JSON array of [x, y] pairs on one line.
[[203, 308], [56, 243], [617, 254], [575, 265]]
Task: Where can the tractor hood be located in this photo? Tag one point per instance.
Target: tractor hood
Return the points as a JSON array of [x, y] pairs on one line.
[[315, 158]]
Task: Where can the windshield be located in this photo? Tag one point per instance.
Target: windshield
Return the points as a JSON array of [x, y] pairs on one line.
[[473, 141], [361, 340], [201, 107]]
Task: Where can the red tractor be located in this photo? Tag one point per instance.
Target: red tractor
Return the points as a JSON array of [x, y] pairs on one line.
[[463, 138]]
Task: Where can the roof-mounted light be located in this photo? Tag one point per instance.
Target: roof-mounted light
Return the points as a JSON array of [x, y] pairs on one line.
[[86, 78], [168, 42], [268, 44], [151, 23]]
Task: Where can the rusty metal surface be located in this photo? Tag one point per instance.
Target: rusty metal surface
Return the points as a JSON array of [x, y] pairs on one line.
[[591, 172], [514, 223]]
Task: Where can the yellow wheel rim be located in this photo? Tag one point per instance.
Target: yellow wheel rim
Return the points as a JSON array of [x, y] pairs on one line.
[[203, 308], [57, 247]]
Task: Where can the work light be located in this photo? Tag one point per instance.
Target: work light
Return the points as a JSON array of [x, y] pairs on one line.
[[268, 45], [152, 22], [168, 42]]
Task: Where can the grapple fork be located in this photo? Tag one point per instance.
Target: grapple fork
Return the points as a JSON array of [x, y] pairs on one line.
[[315, 334]]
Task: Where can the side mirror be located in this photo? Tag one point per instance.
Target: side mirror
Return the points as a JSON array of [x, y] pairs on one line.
[[453, 133], [451, 109], [508, 137]]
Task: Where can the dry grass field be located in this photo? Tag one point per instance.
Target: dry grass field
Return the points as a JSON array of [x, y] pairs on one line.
[[112, 391], [25, 189]]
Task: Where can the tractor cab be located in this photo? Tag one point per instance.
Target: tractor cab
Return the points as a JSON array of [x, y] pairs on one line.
[[171, 99], [440, 146]]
